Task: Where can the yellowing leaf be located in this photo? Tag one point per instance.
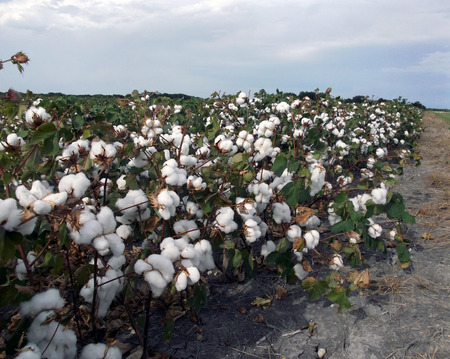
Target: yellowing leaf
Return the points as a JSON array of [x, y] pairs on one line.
[[262, 302]]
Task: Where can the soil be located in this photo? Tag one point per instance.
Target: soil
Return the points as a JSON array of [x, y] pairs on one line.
[[404, 313]]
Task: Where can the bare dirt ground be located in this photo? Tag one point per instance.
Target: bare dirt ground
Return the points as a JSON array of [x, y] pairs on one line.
[[403, 313]]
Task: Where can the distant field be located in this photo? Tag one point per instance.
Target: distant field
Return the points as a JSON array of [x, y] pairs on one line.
[[444, 115]]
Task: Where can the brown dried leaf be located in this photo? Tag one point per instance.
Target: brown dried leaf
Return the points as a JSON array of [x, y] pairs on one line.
[[336, 245], [307, 266], [259, 319], [353, 235], [299, 244], [362, 279], [242, 310], [303, 214], [150, 224], [281, 293]]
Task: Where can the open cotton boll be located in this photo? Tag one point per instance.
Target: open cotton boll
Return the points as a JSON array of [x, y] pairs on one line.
[[106, 218], [312, 222], [189, 227], [57, 341], [21, 270], [312, 238], [196, 183], [268, 248], [300, 273], [336, 262], [293, 233], [163, 265], [317, 178], [74, 184], [193, 275], [224, 220], [141, 266], [251, 230], [379, 195], [9, 214], [173, 175], [50, 299], [281, 213], [181, 281], [100, 351], [36, 115], [167, 201], [24, 196], [359, 202], [375, 230], [30, 351]]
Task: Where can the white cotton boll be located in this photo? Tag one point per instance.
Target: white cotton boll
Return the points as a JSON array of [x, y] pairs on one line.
[[100, 351], [312, 239], [9, 214], [293, 232], [300, 273], [116, 262], [282, 107], [116, 244], [312, 222], [13, 140], [181, 282], [317, 178], [262, 192], [50, 299], [56, 199], [101, 244], [251, 230], [336, 262], [187, 160], [193, 275], [106, 218], [375, 230], [40, 189], [74, 184], [124, 231], [173, 175], [36, 115], [224, 220], [188, 226], [333, 218], [379, 195], [141, 266], [170, 251], [41, 207], [268, 248], [155, 279], [89, 231], [380, 153], [281, 213], [121, 183], [30, 351], [24, 196], [163, 265], [21, 270]]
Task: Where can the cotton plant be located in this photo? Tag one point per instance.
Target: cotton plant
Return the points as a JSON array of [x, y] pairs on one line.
[[13, 142], [225, 220]]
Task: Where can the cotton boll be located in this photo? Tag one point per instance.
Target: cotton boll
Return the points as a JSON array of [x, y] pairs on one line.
[[50, 299], [56, 199], [9, 214], [181, 281], [268, 248], [41, 207], [336, 262], [379, 195], [21, 270], [101, 244], [88, 232], [312, 222], [116, 262], [30, 351], [193, 275], [251, 230], [312, 239], [163, 265], [106, 218], [24, 196], [375, 230], [317, 178], [74, 184], [224, 220], [141, 266], [189, 227], [300, 273], [293, 233], [281, 213], [100, 351]]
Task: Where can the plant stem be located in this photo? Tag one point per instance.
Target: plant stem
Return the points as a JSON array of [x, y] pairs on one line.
[[74, 299], [146, 325], [94, 299]]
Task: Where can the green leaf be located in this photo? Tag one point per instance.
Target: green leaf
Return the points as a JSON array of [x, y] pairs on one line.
[[408, 218], [343, 226], [46, 130], [237, 259], [339, 296], [315, 288], [283, 245], [295, 193], [279, 165], [403, 255]]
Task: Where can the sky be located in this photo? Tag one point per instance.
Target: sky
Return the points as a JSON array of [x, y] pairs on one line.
[[376, 48]]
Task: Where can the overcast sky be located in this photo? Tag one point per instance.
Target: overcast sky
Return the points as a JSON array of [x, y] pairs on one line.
[[385, 48]]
